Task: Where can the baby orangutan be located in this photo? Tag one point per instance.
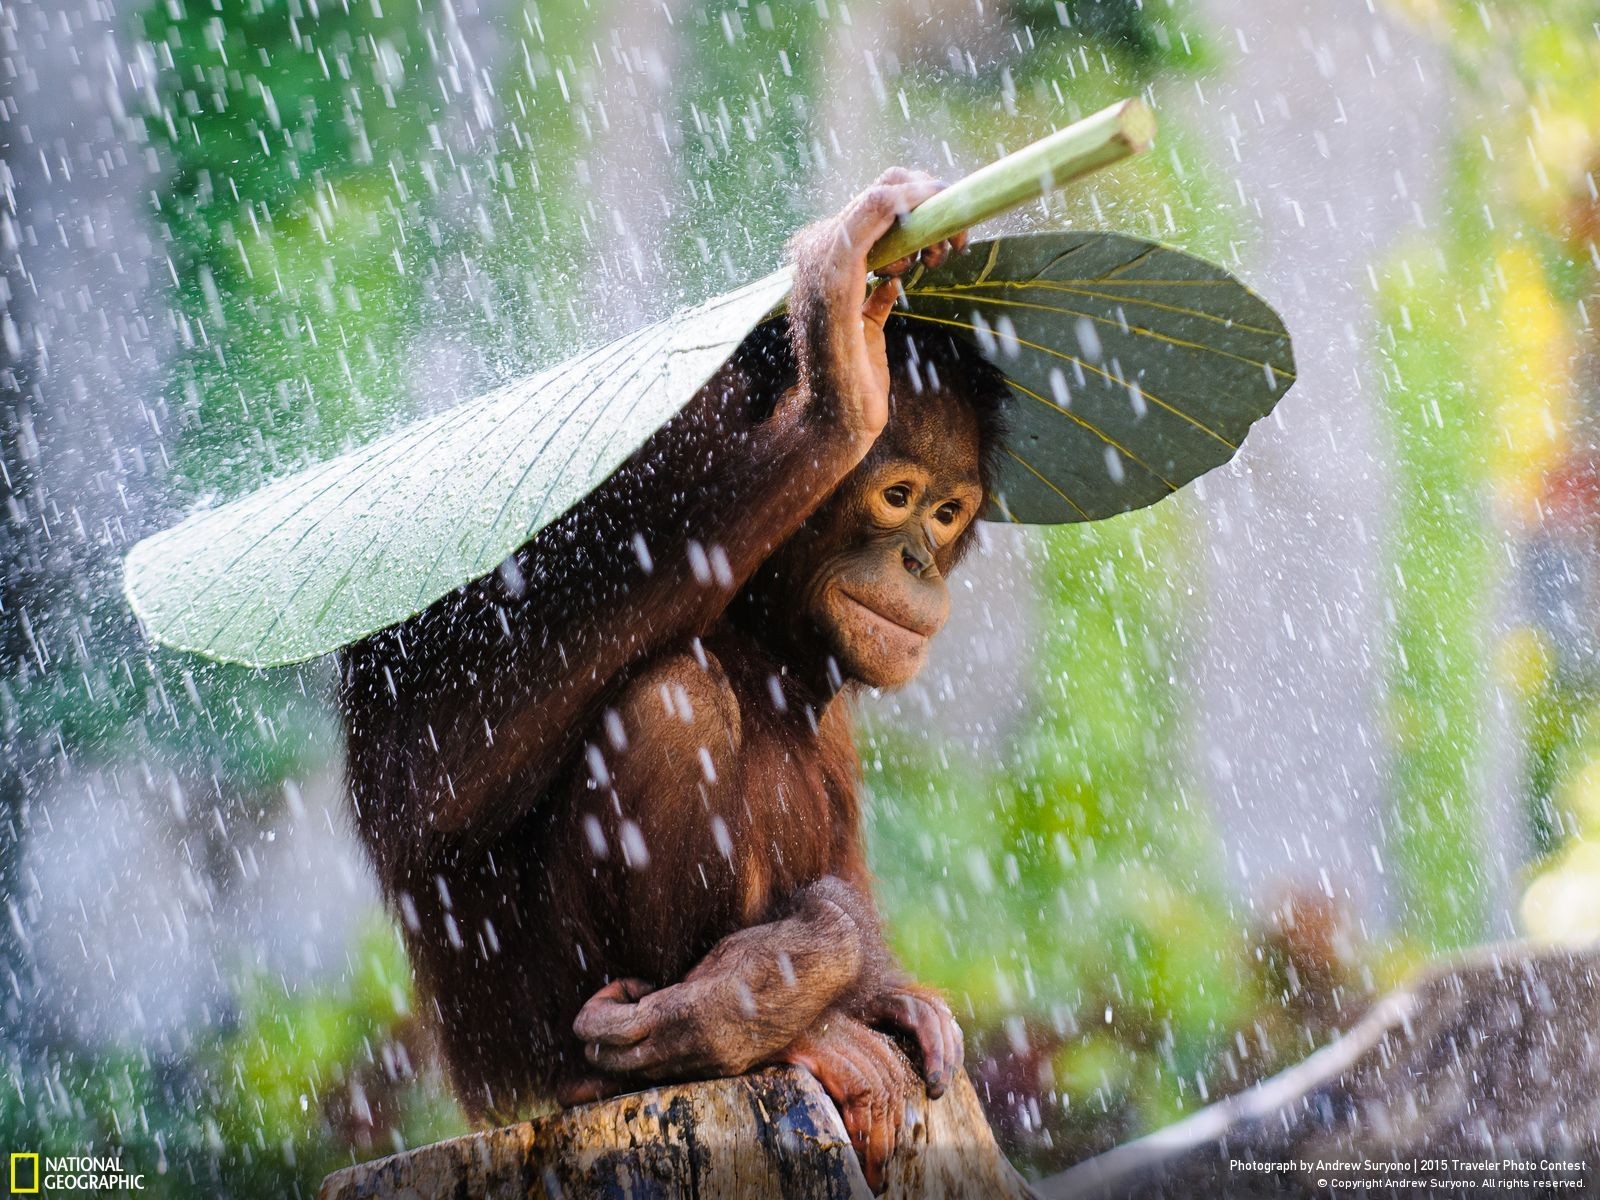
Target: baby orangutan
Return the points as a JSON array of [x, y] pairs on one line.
[[611, 788]]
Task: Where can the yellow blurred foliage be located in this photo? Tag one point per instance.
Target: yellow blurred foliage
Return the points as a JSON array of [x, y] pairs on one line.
[[1562, 905], [1527, 361], [1581, 798], [1523, 661]]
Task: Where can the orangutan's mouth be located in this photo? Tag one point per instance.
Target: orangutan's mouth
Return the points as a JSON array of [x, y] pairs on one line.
[[881, 625]]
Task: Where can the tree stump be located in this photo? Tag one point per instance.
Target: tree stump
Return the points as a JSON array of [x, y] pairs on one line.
[[771, 1134], [1493, 1060]]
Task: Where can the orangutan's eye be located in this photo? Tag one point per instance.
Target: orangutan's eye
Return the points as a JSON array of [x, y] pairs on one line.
[[898, 496], [948, 513]]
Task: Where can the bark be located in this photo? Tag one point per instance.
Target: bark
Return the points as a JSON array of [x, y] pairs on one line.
[[774, 1133]]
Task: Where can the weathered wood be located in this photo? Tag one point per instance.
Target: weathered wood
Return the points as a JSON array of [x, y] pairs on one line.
[[774, 1133], [1489, 1058]]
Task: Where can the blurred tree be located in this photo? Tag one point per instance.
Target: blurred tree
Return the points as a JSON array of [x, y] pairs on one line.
[[76, 439], [1482, 320]]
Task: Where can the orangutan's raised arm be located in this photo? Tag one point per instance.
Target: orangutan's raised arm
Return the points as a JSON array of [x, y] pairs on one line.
[[470, 709]]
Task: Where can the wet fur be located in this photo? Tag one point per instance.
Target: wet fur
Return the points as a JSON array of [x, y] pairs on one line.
[[501, 743]]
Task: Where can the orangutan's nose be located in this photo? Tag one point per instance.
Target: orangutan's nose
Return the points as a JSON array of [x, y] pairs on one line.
[[914, 559]]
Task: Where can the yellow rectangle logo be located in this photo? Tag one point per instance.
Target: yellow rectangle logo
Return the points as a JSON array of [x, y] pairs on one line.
[[30, 1164]]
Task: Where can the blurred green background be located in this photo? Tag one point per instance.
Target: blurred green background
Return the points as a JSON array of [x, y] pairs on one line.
[[1186, 788]]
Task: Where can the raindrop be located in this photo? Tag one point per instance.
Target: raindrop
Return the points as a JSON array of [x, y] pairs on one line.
[[595, 835], [634, 851], [1058, 388], [1088, 339], [985, 334], [1010, 344]]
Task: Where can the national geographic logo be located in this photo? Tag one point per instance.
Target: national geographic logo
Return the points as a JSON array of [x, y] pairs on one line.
[[88, 1174], [24, 1174]]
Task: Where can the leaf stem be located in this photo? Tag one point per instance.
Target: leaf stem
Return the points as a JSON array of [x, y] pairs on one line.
[[1124, 129]]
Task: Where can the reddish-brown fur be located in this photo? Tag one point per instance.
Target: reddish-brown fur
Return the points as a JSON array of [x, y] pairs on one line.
[[615, 767]]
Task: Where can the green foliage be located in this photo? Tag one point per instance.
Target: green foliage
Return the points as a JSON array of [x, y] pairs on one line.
[[1480, 320], [1442, 559], [1563, 735], [747, 102], [265, 1105], [296, 137], [1106, 931], [529, 248], [1145, 35]]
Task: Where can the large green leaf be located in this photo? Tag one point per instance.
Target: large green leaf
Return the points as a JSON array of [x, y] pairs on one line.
[[1135, 368]]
